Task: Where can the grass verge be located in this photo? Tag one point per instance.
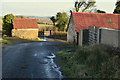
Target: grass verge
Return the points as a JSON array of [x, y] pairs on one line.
[[14, 40], [95, 61], [5, 42]]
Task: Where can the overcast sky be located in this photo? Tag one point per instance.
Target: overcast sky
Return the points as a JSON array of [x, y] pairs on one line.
[[46, 7]]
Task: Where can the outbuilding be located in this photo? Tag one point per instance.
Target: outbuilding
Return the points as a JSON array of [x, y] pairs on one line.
[[25, 28], [90, 28]]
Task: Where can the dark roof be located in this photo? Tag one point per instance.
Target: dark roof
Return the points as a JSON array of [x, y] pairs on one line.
[[84, 20], [25, 23]]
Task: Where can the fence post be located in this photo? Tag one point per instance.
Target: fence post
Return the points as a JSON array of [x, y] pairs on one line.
[[50, 32], [80, 41]]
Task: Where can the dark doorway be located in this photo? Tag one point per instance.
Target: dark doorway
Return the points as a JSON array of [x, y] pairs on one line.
[[77, 38], [99, 35]]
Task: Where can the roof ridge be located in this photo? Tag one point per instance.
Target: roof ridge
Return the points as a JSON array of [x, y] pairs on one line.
[[84, 20], [25, 23], [26, 18], [96, 13]]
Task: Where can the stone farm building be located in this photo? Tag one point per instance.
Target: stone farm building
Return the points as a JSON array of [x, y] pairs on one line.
[[89, 28], [25, 28]]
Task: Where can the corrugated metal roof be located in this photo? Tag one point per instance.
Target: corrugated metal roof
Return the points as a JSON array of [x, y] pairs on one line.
[[25, 23], [84, 20]]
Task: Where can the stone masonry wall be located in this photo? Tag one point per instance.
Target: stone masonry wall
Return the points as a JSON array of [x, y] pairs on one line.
[[71, 32], [25, 33]]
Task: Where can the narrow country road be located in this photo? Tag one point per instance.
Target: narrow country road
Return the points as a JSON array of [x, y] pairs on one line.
[[31, 60]]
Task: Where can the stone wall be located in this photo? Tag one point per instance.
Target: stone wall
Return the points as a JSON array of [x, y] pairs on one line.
[[71, 32], [25, 33]]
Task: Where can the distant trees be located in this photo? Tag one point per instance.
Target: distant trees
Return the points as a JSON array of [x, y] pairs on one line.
[[21, 17], [117, 9], [83, 5], [53, 20], [61, 20], [100, 11], [7, 24], [45, 21]]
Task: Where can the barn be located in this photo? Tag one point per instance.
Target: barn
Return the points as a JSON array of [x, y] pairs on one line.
[[90, 28], [25, 28]]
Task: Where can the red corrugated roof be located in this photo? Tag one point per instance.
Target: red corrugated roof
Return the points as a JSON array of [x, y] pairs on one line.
[[84, 20], [25, 23]]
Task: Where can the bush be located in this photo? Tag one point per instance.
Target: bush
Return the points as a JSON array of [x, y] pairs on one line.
[[93, 61], [8, 24]]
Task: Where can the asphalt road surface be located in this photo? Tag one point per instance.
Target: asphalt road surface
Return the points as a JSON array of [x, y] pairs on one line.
[[31, 60]]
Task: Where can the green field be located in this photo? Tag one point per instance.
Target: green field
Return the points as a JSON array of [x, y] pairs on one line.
[[14, 40], [44, 26]]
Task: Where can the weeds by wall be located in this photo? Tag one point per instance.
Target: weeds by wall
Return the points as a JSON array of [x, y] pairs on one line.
[[95, 61]]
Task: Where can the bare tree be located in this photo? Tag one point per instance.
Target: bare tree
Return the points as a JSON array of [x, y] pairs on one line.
[[84, 5]]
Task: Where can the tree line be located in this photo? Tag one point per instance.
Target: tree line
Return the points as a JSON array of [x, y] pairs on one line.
[[60, 20]]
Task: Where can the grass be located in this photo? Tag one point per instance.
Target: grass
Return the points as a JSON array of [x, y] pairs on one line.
[[64, 45], [44, 25], [5, 42], [95, 61], [36, 39], [14, 40]]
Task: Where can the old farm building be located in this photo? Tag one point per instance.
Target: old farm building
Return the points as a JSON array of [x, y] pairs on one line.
[[25, 28], [89, 28]]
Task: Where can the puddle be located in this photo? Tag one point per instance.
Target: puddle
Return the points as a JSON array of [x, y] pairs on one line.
[[51, 68], [53, 65], [52, 56], [35, 55], [43, 38], [44, 62]]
